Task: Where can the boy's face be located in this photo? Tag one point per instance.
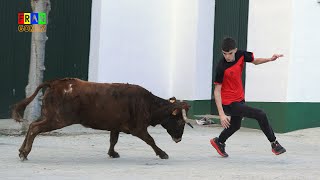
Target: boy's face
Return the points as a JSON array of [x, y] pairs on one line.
[[229, 56]]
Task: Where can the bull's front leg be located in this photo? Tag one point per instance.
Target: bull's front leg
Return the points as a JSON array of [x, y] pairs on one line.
[[114, 135], [145, 136]]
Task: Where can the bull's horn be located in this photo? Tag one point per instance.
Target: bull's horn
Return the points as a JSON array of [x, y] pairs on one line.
[[185, 118]]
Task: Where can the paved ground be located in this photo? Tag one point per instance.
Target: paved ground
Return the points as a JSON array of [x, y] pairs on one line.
[[75, 153]]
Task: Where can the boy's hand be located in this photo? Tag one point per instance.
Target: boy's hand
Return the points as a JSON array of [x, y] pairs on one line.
[[225, 121], [276, 56]]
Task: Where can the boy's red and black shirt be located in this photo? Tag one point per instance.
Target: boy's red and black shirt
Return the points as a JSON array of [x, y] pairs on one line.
[[229, 75]]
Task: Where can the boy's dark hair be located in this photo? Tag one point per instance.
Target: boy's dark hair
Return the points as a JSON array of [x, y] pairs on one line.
[[228, 44]]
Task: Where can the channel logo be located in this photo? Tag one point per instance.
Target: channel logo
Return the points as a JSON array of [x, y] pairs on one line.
[[32, 22]]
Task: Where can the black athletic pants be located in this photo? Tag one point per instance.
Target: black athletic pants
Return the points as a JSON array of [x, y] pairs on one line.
[[238, 110]]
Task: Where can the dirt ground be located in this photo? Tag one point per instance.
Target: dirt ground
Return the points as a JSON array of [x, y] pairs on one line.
[[73, 153]]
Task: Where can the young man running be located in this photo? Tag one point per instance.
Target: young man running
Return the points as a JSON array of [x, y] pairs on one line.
[[229, 96]]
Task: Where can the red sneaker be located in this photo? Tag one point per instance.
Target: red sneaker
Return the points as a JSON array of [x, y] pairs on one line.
[[277, 148], [219, 147]]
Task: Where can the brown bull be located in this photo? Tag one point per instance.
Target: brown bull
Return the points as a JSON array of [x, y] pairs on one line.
[[114, 107]]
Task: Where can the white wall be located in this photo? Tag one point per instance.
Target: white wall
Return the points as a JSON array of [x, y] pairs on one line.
[[135, 43], [94, 55], [162, 45], [269, 31], [304, 71], [290, 27], [193, 48], [184, 48], [204, 50]]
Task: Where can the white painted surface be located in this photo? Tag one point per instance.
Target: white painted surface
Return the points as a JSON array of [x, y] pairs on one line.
[[290, 27], [192, 54], [162, 45], [94, 40], [304, 74], [204, 50], [269, 31], [184, 48], [135, 43]]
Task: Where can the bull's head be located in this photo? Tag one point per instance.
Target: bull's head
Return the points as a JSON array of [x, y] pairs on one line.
[[177, 120]]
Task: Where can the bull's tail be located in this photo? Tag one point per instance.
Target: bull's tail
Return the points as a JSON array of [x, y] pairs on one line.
[[19, 108]]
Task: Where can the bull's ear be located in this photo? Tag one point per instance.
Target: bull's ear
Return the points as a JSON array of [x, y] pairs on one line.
[[175, 112], [172, 100]]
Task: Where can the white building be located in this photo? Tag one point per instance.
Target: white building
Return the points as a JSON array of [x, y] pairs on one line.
[[166, 46]]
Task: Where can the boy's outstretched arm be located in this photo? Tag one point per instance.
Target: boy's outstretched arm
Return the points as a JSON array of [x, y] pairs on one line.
[[257, 61]]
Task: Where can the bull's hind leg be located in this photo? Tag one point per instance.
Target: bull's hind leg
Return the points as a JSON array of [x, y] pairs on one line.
[[23, 149], [36, 128], [25, 139], [145, 136], [114, 135]]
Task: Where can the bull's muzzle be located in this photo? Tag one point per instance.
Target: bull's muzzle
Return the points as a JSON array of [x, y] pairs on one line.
[[176, 139], [185, 118]]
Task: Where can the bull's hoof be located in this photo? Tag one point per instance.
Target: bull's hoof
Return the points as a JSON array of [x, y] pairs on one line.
[[114, 154], [163, 155], [23, 157]]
